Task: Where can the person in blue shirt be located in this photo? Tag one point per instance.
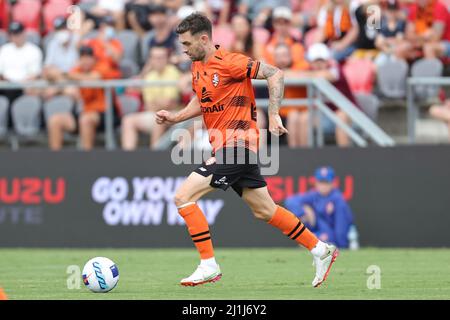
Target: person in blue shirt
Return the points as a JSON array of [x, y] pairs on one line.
[[324, 210]]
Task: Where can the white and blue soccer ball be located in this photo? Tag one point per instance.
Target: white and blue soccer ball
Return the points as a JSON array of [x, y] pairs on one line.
[[100, 274]]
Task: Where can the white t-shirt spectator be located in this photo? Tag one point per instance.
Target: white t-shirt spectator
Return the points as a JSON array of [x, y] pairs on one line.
[[19, 64]]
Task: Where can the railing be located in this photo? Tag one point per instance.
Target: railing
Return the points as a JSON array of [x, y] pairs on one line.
[[412, 107], [317, 91]]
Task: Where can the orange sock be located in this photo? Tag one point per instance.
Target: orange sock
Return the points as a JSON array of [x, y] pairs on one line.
[[198, 229], [292, 227], [3, 295]]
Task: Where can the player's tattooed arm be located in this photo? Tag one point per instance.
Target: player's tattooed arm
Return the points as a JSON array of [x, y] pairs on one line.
[[192, 110], [275, 81]]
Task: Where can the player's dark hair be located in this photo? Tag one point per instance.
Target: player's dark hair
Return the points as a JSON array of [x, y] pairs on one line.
[[195, 23]]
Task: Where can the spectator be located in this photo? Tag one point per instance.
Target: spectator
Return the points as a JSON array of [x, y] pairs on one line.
[[442, 112], [282, 17], [439, 47], [136, 16], [322, 66], [391, 37], [364, 19], [324, 210], [107, 8], [428, 28], [259, 11], [155, 98], [163, 35], [107, 47], [244, 39], [20, 60], [219, 11], [92, 117], [61, 56], [290, 114], [337, 28]]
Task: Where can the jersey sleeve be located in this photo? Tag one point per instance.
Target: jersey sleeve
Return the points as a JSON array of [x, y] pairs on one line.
[[242, 67]]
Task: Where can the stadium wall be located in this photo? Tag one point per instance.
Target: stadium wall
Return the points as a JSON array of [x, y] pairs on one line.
[[400, 198]]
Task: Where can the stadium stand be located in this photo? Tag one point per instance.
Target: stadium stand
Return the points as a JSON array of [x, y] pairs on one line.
[[58, 104], [26, 115]]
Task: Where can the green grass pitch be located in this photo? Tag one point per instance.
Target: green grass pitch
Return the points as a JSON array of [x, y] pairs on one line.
[[247, 274]]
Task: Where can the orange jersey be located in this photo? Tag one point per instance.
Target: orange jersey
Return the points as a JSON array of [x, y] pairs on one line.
[[224, 88]]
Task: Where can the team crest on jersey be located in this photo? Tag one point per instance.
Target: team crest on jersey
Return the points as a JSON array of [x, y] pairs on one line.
[[215, 79]]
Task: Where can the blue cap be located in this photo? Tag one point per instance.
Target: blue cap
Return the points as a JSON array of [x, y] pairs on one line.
[[325, 174]]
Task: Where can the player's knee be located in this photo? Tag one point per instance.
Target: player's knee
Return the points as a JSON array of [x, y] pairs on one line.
[[263, 214], [181, 198]]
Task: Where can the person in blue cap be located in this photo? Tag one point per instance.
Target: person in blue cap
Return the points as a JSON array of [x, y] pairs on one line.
[[324, 210]]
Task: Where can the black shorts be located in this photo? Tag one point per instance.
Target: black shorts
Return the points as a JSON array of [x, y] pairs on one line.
[[236, 172]]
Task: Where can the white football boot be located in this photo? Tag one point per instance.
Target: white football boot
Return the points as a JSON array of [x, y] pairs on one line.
[[323, 264], [202, 275]]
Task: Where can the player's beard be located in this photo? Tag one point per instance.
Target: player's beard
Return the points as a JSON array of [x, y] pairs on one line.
[[199, 55]]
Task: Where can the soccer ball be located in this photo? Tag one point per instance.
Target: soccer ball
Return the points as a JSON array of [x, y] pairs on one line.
[[100, 274]]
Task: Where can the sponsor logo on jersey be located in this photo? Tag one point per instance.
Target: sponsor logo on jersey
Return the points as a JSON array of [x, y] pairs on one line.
[[214, 108]]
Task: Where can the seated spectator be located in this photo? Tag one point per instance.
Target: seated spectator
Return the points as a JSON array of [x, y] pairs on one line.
[[259, 11], [244, 39], [428, 28], [107, 8], [290, 114], [136, 16], [92, 117], [322, 66], [61, 56], [440, 48], [391, 37], [282, 17], [367, 30], [219, 11], [442, 112], [163, 35], [155, 99], [337, 28], [107, 47], [20, 60], [324, 210]]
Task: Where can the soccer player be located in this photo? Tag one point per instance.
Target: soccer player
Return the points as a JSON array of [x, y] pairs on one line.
[[224, 96]]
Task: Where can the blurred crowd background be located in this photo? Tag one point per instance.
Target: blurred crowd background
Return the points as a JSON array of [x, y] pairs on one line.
[[366, 48]]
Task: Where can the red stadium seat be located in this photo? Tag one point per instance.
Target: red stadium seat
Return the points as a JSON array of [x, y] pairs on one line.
[[360, 75], [4, 17], [28, 13], [53, 9]]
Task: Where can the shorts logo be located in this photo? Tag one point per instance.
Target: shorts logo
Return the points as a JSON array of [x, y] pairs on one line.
[[202, 169], [221, 181], [215, 79]]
